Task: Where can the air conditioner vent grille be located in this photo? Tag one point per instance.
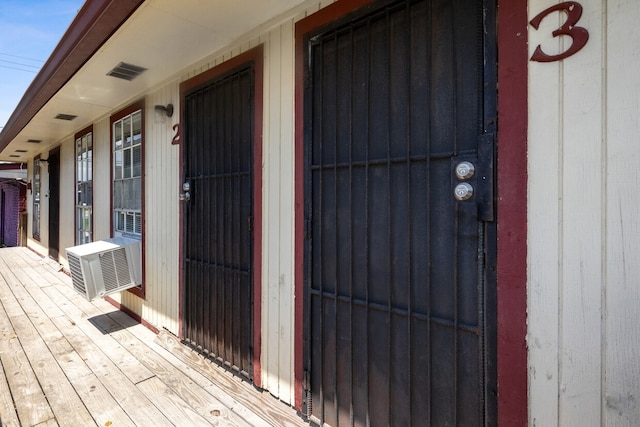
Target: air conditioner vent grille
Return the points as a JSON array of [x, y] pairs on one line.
[[115, 269], [76, 274]]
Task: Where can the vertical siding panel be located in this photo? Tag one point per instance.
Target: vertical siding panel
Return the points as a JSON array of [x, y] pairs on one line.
[[581, 345], [544, 207], [286, 324], [102, 179], [273, 194], [102, 183], [161, 213], [67, 196], [622, 361]]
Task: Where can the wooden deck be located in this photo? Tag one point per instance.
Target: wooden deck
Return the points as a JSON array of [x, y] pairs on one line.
[[67, 362]]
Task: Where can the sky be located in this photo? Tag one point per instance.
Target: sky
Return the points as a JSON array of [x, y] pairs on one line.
[[29, 31]]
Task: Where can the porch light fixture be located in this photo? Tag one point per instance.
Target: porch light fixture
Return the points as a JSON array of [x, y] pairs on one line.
[[161, 113], [168, 110]]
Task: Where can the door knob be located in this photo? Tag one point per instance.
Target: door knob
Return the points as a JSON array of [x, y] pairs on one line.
[[186, 196], [463, 191]]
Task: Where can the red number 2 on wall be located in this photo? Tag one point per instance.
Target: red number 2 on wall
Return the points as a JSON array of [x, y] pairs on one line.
[[579, 35]]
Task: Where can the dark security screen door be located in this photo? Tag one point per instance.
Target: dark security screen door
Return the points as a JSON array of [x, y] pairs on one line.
[[399, 314], [218, 159], [54, 203]]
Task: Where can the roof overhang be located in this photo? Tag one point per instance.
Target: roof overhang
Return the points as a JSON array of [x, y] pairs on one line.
[[163, 36]]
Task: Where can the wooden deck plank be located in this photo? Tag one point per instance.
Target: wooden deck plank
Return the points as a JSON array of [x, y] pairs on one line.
[[29, 399], [121, 372], [137, 407], [149, 338], [127, 363], [171, 405], [95, 397], [53, 380], [103, 407], [8, 414], [262, 403], [203, 402], [63, 400], [49, 423]]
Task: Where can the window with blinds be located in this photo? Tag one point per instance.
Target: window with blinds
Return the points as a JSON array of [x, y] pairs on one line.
[[127, 175], [84, 187]]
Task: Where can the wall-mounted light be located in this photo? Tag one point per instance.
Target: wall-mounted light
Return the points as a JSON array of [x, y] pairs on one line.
[[162, 112], [43, 160]]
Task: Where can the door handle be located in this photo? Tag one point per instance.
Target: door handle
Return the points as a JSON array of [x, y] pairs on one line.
[[186, 196]]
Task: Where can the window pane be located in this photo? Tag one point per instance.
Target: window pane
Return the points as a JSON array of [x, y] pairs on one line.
[[137, 127], [126, 131], [137, 161], [80, 193], [119, 221], [84, 188], [117, 134], [129, 225], [117, 164], [126, 171], [138, 224]]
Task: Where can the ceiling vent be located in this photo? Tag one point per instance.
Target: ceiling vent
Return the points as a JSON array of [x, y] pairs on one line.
[[34, 141], [126, 71], [67, 117]]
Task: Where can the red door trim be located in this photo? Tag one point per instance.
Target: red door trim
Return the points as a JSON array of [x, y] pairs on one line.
[[254, 56], [511, 203], [512, 212]]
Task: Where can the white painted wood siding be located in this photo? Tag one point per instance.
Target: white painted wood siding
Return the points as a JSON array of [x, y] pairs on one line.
[[583, 221], [162, 185]]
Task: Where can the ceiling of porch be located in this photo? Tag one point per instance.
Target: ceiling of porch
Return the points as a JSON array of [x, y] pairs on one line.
[[163, 36]]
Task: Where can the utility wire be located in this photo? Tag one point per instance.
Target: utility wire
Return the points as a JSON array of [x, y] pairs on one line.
[[19, 69], [19, 63], [21, 57]]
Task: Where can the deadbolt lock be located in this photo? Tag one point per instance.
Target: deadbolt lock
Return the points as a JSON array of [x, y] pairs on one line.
[[465, 170], [463, 191]]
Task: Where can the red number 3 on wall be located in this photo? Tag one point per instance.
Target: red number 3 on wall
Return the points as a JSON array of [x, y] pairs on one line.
[[579, 36]]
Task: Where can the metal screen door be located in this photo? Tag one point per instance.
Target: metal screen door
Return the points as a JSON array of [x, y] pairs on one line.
[[53, 165], [399, 297], [218, 165]]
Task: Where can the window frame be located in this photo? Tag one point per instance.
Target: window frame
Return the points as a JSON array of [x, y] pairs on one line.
[[79, 135], [136, 106], [36, 199]]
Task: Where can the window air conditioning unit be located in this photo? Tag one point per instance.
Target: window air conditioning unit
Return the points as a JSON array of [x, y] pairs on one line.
[[105, 267]]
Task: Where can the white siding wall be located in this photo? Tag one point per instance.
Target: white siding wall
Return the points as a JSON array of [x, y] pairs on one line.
[[67, 196], [162, 185], [101, 179], [161, 232], [583, 223], [278, 193]]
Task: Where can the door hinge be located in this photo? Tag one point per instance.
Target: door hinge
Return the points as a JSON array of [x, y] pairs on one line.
[[306, 395], [485, 177]]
